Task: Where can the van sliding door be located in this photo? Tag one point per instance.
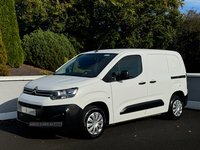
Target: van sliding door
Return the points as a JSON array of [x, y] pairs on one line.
[[158, 81]]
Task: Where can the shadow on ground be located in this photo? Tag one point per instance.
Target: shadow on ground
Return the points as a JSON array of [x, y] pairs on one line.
[[20, 129], [9, 106]]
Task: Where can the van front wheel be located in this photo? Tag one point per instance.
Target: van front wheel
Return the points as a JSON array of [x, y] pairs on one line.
[[175, 108], [93, 122]]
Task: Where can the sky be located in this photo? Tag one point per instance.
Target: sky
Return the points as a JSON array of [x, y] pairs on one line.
[[191, 4]]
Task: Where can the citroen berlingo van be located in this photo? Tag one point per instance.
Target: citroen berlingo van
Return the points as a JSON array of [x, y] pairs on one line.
[[104, 87]]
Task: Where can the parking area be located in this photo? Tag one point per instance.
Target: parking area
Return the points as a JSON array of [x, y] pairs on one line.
[[155, 132]]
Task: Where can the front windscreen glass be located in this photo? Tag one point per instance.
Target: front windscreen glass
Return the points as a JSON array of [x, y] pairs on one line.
[[86, 65]]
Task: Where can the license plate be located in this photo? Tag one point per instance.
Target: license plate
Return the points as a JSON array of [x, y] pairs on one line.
[[46, 124], [29, 111]]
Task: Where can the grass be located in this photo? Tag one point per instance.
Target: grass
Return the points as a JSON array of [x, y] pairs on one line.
[[45, 72]]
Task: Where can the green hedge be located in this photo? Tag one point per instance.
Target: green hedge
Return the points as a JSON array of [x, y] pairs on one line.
[[46, 49], [3, 58], [10, 33]]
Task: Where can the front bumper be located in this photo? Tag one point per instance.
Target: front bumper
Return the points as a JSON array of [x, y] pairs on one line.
[[69, 115]]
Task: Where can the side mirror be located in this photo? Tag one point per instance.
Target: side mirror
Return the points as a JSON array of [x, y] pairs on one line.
[[124, 74], [114, 76]]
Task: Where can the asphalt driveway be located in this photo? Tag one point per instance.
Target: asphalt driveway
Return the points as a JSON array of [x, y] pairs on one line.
[[149, 133]]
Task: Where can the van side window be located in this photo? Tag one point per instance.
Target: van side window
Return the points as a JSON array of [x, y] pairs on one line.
[[132, 64]]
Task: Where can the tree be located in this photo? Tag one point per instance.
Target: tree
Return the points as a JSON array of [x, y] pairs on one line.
[[3, 58], [44, 14], [10, 33], [124, 23], [188, 41], [112, 23]]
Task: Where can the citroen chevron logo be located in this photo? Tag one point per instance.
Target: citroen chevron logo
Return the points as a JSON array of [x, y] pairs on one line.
[[35, 90]]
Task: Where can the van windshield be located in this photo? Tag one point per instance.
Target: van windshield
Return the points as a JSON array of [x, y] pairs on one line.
[[86, 65]]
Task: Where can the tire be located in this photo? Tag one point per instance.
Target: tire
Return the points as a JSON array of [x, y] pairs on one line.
[[175, 108], [93, 122]]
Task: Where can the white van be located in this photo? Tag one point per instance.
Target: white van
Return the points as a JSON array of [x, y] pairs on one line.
[[104, 87]]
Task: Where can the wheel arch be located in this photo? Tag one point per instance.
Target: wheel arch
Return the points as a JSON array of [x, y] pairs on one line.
[[103, 107], [181, 95]]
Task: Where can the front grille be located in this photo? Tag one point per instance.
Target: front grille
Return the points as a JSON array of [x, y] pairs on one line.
[[29, 105], [36, 92]]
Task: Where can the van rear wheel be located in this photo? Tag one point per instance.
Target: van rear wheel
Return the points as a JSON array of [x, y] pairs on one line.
[[93, 122], [175, 108]]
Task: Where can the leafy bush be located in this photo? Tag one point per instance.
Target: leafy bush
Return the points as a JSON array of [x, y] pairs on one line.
[[46, 49], [4, 70], [10, 33], [3, 58]]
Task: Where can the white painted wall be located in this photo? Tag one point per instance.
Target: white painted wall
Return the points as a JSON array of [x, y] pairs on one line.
[[10, 89]]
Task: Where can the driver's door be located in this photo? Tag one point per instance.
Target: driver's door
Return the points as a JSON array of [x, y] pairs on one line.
[[129, 94]]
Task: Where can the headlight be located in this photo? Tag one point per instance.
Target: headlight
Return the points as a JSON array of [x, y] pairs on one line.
[[60, 94]]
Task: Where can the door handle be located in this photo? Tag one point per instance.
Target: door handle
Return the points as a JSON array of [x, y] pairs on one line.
[[153, 81], [141, 83]]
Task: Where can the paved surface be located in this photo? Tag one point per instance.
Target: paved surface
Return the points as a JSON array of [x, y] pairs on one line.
[[149, 133]]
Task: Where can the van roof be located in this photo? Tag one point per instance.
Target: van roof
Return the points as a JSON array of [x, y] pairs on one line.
[[118, 51]]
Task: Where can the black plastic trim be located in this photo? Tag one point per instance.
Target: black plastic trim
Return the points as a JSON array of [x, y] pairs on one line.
[[142, 106], [37, 92], [69, 115], [177, 77], [186, 100], [29, 105], [141, 83], [107, 78]]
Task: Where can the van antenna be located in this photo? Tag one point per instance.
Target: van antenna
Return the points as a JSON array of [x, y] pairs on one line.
[[98, 48]]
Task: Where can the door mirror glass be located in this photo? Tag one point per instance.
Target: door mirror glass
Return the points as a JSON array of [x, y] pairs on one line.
[[125, 75]]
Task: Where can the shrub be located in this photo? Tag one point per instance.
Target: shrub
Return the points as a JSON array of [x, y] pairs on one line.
[[4, 70], [10, 33], [46, 49], [3, 58]]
